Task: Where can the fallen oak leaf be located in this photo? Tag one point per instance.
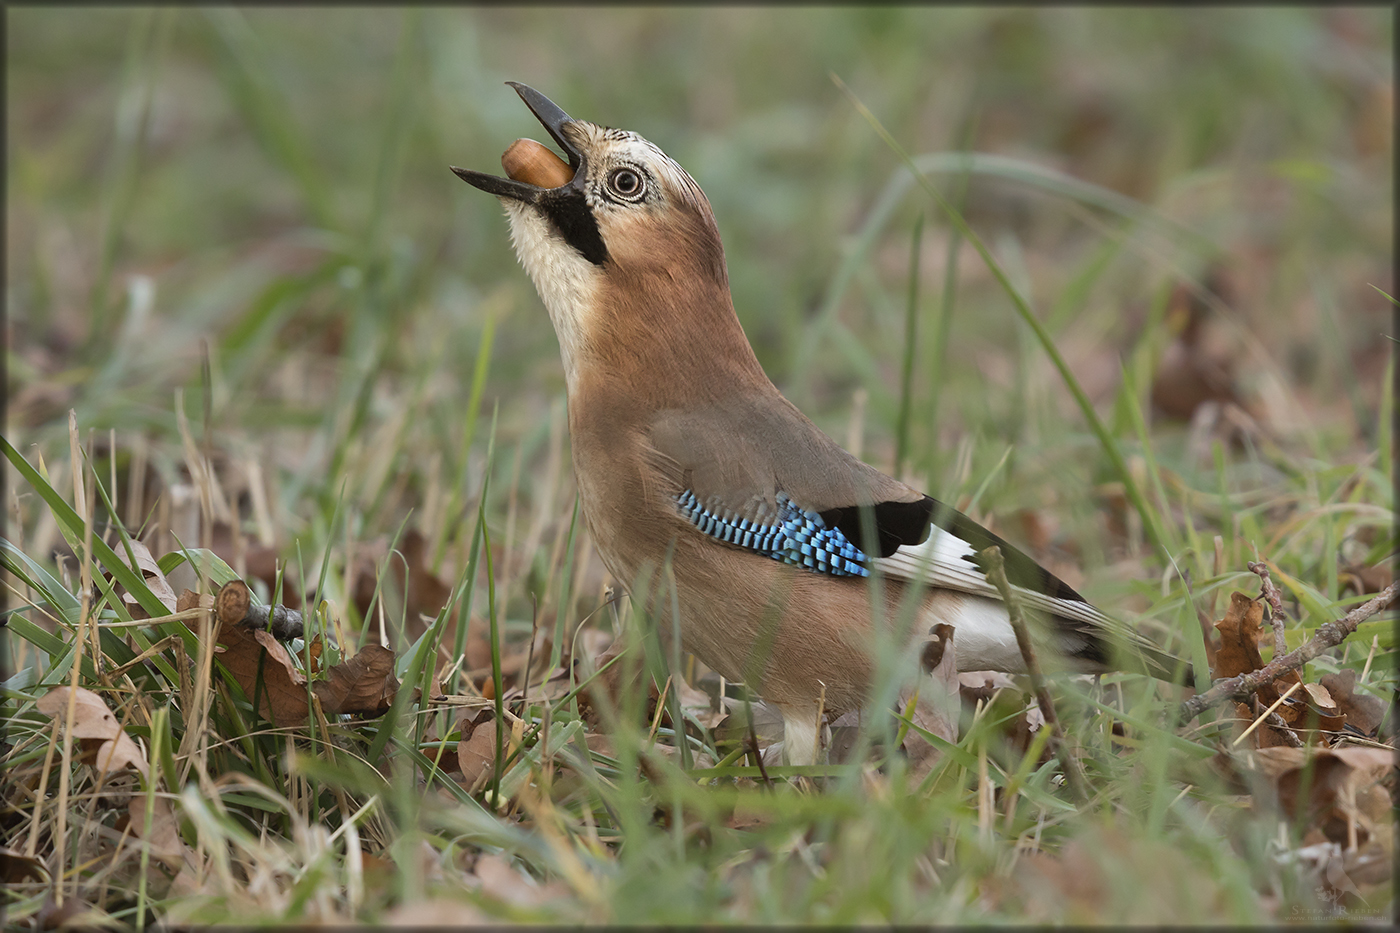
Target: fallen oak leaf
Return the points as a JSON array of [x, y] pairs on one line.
[[73, 914], [1238, 654], [1329, 635], [101, 738], [1193, 369], [1367, 579], [1338, 789], [164, 837], [1240, 631], [189, 599], [1361, 712], [476, 752], [1321, 698], [435, 912], [91, 717], [282, 698], [1323, 708], [15, 867], [149, 569], [363, 684], [121, 752], [408, 589]]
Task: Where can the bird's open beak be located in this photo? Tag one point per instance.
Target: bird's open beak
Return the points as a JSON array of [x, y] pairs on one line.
[[553, 119]]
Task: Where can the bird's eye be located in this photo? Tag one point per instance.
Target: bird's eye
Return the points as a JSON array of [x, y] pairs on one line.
[[627, 184]]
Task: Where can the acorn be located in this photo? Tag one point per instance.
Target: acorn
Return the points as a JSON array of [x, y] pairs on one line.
[[534, 163]]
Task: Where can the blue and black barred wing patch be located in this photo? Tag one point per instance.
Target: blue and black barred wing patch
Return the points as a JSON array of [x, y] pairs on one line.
[[793, 535]]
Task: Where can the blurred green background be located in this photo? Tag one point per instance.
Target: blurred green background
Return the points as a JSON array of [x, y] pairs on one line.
[[274, 182]]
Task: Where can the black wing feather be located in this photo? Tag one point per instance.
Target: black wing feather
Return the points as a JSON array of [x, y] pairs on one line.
[[907, 523]]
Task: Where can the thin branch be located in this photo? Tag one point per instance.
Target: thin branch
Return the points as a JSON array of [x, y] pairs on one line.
[[994, 566], [235, 607], [1329, 635], [1275, 722], [1269, 716], [1271, 595], [284, 623]]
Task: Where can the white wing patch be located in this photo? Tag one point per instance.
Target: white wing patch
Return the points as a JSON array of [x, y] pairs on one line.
[[941, 561]]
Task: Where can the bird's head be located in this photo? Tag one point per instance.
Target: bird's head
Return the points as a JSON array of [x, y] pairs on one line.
[[620, 242]]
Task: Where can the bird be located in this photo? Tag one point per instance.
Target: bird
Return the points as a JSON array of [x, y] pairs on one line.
[[693, 467]]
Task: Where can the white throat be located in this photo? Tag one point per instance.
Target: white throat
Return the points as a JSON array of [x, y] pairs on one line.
[[567, 282]]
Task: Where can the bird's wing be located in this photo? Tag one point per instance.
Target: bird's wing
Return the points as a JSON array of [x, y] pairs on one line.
[[761, 461], [946, 559], [757, 474], [756, 464]]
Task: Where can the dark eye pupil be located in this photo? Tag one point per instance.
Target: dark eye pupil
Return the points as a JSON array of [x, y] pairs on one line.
[[626, 182]]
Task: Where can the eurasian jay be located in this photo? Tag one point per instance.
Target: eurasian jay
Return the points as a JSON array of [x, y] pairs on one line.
[[685, 452]]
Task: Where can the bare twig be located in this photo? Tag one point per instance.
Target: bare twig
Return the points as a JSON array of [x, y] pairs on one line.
[[235, 607], [1329, 635], [282, 622], [1268, 715], [1271, 595], [1275, 722], [994, 566]]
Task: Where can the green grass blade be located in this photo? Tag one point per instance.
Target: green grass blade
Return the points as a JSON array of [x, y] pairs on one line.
[[906, 375], [67, 518], [1106, 441]]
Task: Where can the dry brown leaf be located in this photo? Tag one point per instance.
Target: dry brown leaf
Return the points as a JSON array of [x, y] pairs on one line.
[[189, 599], [283, 697], [164, 837], [476, 756], [150, 571], [1365, 579], [1320, 698], [1238, 653], [1239, 636], [363, 684], [1362, 712], [121, 752], [91, 717], [746, 815], [604, 696], [478, 652], [313, 652], [1339, 805], [16, 867], [1083, 883], [1321, 712], [600, 744], [514, 657]]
